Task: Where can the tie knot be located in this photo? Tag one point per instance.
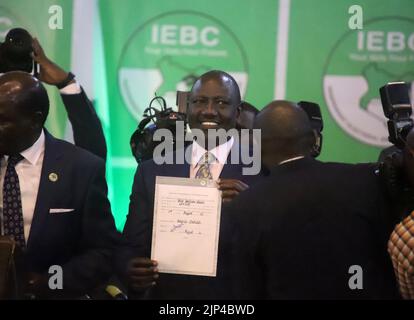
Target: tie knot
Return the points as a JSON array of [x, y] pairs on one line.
[[15, 159]]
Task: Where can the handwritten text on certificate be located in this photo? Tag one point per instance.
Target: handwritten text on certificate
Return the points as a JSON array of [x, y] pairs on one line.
[[186, 226]]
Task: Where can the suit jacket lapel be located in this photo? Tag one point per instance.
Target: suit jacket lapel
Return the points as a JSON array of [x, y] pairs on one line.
[[182, 170], [232, 170], [46, 187]]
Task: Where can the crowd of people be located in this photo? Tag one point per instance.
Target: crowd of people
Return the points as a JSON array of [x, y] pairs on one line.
[[292, 231]]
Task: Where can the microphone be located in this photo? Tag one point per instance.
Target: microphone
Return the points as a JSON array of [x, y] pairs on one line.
[[116, 293]]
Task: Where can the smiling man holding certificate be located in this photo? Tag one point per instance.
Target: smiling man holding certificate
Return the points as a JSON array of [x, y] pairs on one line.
[[213, 104]]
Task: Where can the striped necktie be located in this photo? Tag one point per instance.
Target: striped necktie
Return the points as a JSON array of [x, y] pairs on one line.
[[12, 204]]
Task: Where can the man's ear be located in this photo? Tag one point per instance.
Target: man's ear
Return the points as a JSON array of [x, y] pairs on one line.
[[238, 110], [38, 120]]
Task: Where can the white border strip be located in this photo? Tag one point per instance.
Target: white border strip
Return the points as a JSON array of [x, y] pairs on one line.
[[282, 36], [82, 43], [82, 50]]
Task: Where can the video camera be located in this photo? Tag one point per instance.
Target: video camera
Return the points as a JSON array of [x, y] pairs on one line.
[[396, 103], [314, 114], [15, 52], [142, 142]]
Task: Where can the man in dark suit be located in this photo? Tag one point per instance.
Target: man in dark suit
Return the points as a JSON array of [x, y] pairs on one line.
[[53, 197], [213, 104], [86, 126], [319, 230]]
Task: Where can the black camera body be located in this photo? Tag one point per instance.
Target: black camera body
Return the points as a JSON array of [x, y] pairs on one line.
[[313, 111], [142, 142], [15, 52], [396, 104]]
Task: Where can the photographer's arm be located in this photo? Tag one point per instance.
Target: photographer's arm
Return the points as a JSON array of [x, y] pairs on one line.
[[87, 128]]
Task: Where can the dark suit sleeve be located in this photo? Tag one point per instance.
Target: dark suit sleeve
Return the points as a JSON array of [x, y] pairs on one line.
[[136, 237], [93, 262], [240, 267], [87, 128]]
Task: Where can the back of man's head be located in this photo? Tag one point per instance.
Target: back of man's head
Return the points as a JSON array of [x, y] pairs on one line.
[[247, 114], [286, 132]]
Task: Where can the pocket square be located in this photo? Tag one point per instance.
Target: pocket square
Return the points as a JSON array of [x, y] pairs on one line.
[[60, 210]]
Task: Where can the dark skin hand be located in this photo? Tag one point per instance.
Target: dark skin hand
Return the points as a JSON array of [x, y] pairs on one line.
[[230, 188], [50, 72], [37, 284], [142, 273]]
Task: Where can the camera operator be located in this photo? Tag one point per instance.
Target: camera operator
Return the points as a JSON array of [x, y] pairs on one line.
[[87, 128], [397, 166], [401, 243], [394, 162]]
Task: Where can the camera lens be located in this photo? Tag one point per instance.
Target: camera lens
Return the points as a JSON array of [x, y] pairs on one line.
[[19, 40]]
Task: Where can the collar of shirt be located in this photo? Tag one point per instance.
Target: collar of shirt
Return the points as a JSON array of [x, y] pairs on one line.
[[221, 152], [33, 153], [291, 159]]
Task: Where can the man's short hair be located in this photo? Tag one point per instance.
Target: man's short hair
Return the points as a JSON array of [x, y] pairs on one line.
[[246, 106], [216, 74]]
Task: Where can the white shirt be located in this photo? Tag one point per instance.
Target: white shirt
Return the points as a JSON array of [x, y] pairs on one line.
[[28, 170], [221, 153]]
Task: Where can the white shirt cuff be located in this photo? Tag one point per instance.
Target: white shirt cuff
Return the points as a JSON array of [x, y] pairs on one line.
[[73, 88]]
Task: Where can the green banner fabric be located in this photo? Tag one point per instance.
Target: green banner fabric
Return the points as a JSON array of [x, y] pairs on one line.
[[335, 53], [342, 69]]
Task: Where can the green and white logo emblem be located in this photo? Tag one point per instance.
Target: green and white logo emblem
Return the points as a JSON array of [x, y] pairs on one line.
[[361, 62], [168, 52]]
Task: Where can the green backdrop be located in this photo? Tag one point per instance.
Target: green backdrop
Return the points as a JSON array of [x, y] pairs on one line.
[[296, 50]]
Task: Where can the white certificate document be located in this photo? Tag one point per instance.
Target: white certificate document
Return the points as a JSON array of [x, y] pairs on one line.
[[186, 226]]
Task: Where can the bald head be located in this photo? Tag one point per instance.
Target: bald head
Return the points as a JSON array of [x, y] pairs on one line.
[[24, 106], [25, 92], [286, 132]]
